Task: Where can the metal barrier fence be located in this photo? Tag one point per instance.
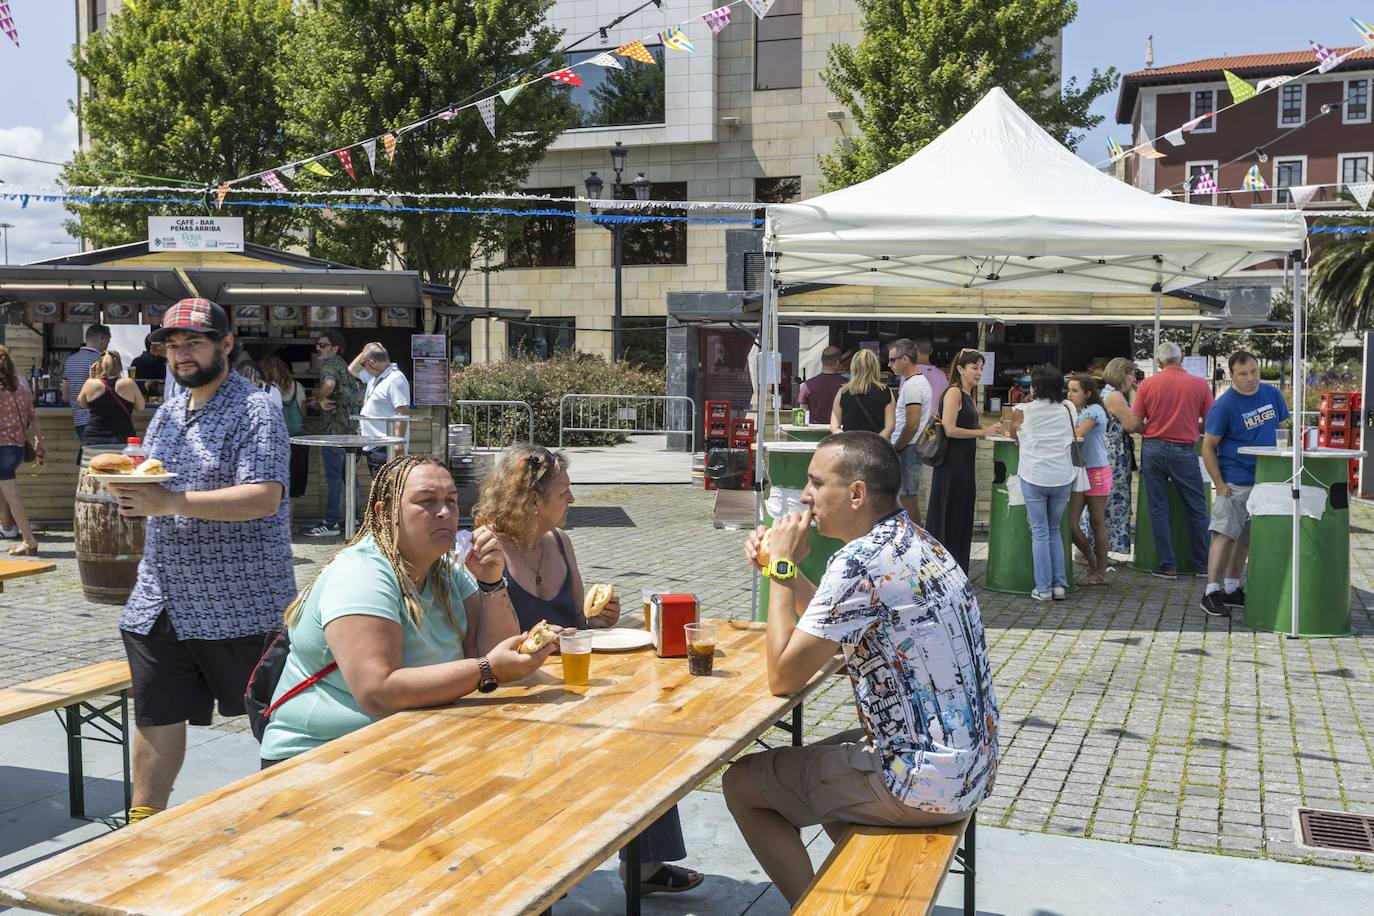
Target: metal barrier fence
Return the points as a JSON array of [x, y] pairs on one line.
[[628, 414], [495, 424]]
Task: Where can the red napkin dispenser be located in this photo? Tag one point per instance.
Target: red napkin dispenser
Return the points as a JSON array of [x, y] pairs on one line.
[[668, 618]]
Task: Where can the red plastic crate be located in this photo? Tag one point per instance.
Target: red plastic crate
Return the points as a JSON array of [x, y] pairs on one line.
[[1335, 438], [1335, 419], [1340, 400]]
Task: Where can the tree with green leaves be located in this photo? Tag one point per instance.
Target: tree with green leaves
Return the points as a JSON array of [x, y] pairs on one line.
[[360, 67], [180, 89], [1274, 343], [922, 64]]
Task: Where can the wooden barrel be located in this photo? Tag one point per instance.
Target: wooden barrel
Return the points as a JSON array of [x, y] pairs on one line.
[[108, 546], [468, 473]]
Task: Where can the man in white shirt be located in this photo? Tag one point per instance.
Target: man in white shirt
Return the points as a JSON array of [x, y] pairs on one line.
[[915, 407], [387, 395]]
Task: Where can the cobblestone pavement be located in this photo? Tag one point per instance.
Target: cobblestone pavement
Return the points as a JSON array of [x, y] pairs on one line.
[[1127, 714]]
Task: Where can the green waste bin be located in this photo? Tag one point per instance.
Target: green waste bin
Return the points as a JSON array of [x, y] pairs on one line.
[[1325, 548], [1010, 568], [1146, 556], [812, 432], [787, 465]]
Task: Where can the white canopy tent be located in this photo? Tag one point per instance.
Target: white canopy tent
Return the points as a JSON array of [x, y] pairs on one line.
[[995, 200]]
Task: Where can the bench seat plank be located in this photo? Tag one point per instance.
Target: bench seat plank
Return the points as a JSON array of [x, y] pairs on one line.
[[59, 690], [883, 870]]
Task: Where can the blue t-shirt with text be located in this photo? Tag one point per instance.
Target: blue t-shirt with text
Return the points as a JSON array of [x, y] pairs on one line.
[[1242, 420]]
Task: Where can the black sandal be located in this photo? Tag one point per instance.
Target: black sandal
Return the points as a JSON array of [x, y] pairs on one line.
[[670, 879]]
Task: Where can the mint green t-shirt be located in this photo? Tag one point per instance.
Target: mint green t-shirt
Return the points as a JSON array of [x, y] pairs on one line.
[[358, 581]]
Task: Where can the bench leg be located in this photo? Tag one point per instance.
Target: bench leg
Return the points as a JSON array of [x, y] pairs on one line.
[[125, 744], [101, 719], [76, 782], [970, 841], [797, 725], [632, 889]]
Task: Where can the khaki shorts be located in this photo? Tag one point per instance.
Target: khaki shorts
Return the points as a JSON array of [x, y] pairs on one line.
[[1230, 517], [838, 780]]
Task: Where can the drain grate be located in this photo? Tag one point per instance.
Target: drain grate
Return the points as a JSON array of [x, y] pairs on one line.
[[1336, 830]]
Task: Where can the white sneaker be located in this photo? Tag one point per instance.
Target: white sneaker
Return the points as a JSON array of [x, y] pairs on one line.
[[1042, 596], [9, 534], [324, 531], [1058, 593]]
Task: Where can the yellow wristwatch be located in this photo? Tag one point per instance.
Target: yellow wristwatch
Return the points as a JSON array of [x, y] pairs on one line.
[[781, 569]]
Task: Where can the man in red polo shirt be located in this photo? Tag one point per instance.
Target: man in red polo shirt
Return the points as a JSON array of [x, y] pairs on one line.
[[1170, 406]]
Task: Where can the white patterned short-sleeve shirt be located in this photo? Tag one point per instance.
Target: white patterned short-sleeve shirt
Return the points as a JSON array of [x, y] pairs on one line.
[[216, 580], [908, 619]]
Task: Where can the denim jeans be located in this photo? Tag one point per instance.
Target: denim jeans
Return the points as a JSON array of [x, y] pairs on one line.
[[1161, 462], [1045, 508], [334, 483], [661, 841], [375, 459]]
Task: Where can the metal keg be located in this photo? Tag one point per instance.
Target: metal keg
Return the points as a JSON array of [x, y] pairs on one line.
[[468, 473], [459, 440]]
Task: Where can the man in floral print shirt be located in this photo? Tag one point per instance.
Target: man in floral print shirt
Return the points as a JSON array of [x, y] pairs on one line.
[[906, 617]]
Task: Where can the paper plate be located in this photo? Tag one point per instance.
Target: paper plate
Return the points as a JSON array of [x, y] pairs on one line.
[[131, 478], [620, 639]]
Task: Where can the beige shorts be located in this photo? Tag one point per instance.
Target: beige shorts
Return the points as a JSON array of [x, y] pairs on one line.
[[838, 780], [1230, 516]]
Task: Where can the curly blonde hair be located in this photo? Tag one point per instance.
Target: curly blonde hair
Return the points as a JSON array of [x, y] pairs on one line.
[[506, 504]]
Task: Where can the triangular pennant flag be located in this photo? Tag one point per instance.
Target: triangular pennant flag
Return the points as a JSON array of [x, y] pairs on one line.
[[487, 109], [760, 7], [1165, 193], [601, 60], [1175, 136], [1149, 152], [1254, 181], [7, 23], [512, 92], [1362, 191], [635, 50], [1190, 126], [289, 171], [676, 39], [370, 147], [389, 144], [347, 159], [223, 190], [1114, 149], [315, 168], [717, 19], [565, 76], [1274, 82], [1327, 59], [272, 181], [1365, 29], [1241, 91], [1303, 193], [1206, 184]]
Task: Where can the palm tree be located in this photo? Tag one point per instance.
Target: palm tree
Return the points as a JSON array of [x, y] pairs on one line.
[[1343, 275]]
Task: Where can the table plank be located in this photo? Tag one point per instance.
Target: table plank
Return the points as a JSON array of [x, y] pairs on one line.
[[17, 569], [59, 690], [500, 802]]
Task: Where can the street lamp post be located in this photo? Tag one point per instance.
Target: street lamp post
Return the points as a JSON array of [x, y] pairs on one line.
[[5, 228], [642, 187]]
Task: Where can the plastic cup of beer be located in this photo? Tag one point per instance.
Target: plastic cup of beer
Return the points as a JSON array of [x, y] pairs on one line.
[[701, 648], [576, 651]]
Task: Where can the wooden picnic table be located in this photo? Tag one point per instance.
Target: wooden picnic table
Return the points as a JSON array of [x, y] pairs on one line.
[[17, 569], [498, 804]]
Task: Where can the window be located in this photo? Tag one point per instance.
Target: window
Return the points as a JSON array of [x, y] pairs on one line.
[[1287, 172], [1291, 98], [1195, 170], [544, 241], [1204, 102], [540, 337], [775, 191], [614, 98], [1356, 102], [656, 243], [644, 341], [1356, 167], [778, 47]]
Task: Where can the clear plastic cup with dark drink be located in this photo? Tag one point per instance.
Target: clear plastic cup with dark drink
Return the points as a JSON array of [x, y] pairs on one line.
[[701, 648]]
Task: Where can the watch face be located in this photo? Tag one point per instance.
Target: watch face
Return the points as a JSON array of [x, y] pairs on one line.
[[487, 686], [784, 567]]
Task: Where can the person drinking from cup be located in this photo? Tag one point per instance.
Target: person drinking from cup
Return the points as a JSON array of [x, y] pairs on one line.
[[408, 627], [908, 619], [525, 502]]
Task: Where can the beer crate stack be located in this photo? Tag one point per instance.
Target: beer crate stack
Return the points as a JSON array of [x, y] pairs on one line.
[[1338, 426], [717, 431], [743, 435]]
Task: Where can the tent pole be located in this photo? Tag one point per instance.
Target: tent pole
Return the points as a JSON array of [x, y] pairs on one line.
[[1299, 399], [760, 398], [1159, 281]]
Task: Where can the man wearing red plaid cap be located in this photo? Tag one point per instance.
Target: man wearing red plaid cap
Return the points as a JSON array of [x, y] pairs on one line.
[[216, 570]]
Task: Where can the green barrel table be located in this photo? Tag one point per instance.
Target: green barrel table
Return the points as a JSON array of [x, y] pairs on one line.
[[1010, 569], [812, 432], [1146, 556], [787, 465], [1324, 585]]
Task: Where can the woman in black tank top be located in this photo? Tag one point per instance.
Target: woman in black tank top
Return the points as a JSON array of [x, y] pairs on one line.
[[526, 501]]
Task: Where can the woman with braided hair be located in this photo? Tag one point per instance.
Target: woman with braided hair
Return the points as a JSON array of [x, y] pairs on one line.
[[407, 626]]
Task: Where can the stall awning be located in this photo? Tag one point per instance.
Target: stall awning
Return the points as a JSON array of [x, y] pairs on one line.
[[231, 287], [101, 285]]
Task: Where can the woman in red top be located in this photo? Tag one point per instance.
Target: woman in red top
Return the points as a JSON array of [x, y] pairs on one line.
[[17, 423]]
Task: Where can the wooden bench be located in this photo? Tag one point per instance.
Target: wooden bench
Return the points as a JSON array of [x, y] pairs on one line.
[[69, 694], [891, 870]]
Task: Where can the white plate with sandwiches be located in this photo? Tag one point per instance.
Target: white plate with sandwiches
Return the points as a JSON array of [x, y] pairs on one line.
[[620, 639], [132, 478], [115, 468]]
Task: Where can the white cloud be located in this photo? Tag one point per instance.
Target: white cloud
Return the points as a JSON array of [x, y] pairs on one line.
[[37, 232]]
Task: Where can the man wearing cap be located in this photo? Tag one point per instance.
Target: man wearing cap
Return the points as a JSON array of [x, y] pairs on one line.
[[216, 569]]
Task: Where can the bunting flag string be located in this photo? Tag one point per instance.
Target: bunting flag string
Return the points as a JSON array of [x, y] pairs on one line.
[[1149, 152], [389, 144], [1254, 181], [347, 159], [1365, 30], [370, 147], [487, 109], [289, 171], [1361, 191], [1302, 194], [1327, 59], [7, 23], [676, 39], [1273, 82], [272, 181], [1175, 136], [317, 169], [507, 95], [635, 50], [760, 7], [1241, 91], [601, 60], [566, 75], [1114, 149], [223, 190], [1206, 184], [717, 19]]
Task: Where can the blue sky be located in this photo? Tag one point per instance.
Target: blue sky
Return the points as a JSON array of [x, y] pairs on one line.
[[35, 121]]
